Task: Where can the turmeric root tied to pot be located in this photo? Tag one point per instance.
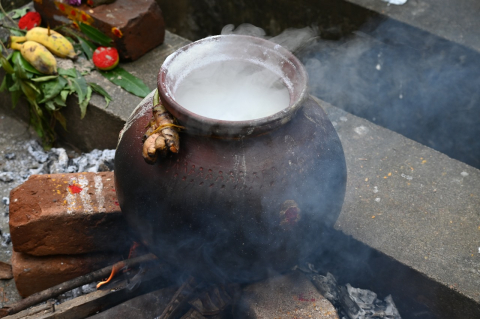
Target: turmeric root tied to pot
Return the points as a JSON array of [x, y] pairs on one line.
[[162, 133]]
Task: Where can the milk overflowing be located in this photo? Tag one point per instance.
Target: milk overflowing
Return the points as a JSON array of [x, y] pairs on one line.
[[232, 90]]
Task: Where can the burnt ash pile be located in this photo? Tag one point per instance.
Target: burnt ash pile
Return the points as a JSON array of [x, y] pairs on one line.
[[350, 302]]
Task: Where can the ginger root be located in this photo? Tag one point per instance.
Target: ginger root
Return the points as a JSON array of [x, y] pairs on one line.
[[161, 135]]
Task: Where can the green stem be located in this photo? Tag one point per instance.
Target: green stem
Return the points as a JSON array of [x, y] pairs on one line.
[[13, 28], [9, 17], [4, 47]]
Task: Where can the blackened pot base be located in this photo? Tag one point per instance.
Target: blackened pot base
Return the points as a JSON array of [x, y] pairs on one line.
[[235, 209]]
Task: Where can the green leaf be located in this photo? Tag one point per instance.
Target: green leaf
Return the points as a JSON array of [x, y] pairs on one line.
[[44, 78], [52, 88], [83, 105], [20, 72], [68, 72], [127, 81], [59, 101], [6, 65], [64, 94], [17, 33], [29, 92], [97, 88], [95, 35], [18, 13], [61, 119], [14, 87], [87, 47], [22, 63], [4, 85], [80, 86], [15, 97], [50, 105]]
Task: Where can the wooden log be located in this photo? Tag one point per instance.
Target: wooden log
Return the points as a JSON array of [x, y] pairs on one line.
[[69, 285]]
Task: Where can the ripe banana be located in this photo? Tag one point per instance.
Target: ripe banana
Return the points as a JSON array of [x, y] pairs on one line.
[[38, 56], [53, 40]]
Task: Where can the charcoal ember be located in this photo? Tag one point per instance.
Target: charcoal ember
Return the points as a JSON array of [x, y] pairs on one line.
[[364, 298], [180, 299], [7, 177], [348, 305], [327, 285], [352, 303], [10, 156], [212, 301], [59, 161], [6, 201], [95, 161], [391, 310], [36, 150], [6, 205], [76, 292], [193, 314]]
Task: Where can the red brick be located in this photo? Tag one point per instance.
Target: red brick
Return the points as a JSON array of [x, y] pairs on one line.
[[33, 274], [48, 217], [140, 22]]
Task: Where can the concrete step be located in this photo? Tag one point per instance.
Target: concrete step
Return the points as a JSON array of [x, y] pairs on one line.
[[456, 21]]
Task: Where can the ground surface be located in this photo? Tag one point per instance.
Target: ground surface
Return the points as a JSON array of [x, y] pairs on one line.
[[14, 135]]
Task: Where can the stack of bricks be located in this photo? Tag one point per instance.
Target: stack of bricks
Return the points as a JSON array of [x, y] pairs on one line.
[[64, 226]]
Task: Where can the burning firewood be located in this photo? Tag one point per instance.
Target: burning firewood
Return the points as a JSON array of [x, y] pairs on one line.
[[212, 301], [161, 134], [193, 314], [68, 285], [179, 299]]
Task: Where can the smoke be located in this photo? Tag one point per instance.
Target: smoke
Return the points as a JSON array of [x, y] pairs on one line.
[[406, 80], [399, 77], [290, 39]]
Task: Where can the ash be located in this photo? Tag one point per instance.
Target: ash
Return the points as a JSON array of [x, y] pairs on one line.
[[350, 302], [19, 165], [77, 292]]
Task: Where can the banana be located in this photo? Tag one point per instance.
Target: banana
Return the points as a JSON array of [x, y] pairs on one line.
[[53, 40], [38, 56]]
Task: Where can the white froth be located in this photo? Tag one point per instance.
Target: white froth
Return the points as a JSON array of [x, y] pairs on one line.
[[232, 90]]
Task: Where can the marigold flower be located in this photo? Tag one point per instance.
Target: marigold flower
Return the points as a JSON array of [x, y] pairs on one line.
[[118, 33]]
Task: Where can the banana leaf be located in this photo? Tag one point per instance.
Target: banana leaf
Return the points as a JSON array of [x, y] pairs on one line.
[[97, 88], [127, 81], [95, 35]]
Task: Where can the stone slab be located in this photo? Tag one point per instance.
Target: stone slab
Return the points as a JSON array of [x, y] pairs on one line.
[[456, 21], [67, 214], [135, 27], [411, 203], [33, 274], [288, 296]]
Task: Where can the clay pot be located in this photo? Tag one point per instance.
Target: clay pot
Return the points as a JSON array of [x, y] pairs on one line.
[[240, 199]]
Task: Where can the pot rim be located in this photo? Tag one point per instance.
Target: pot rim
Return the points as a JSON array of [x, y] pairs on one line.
[[201, 125]]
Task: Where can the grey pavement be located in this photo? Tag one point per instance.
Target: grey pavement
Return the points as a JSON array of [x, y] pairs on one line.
[[456, 21]]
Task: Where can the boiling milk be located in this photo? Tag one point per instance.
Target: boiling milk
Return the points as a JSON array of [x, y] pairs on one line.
[[232, 91]]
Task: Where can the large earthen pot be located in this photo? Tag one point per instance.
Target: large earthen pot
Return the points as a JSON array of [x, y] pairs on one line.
[[241, 199]]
